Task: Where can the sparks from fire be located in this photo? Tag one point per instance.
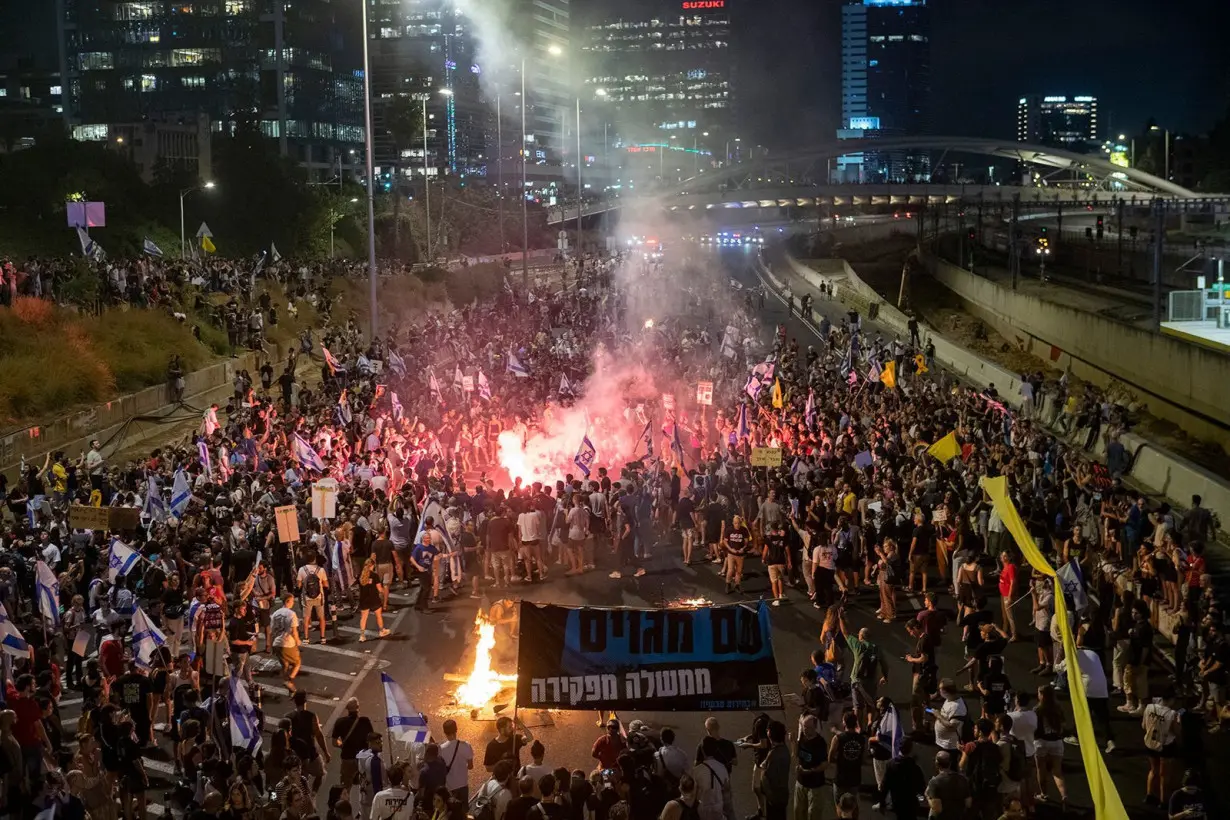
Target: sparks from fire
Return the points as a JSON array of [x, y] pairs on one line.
[[484, 683]]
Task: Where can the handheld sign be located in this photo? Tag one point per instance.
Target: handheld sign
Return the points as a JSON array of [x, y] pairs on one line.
[[704, 393], [288, 523], [766, 456]]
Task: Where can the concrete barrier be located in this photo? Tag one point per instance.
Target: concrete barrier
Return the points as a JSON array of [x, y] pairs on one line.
[[1180, 382], [73, 433]]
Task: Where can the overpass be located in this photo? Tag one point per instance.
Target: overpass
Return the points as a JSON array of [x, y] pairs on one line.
[[1063, 178]]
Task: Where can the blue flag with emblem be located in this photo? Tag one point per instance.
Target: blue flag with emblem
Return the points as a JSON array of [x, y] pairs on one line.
[[11, 640], [148, 246], [1074, 584], [307, 455], [484, 387], [404, 722], [515, 367], [584, 458], [245, 723], [155, 504], [47, 589], [181, 493], [202, 450], [744, 429], [121, 558], [397, 364]]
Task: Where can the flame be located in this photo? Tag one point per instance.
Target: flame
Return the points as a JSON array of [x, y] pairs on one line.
[[649, 324], [689, 603], [484, 683]]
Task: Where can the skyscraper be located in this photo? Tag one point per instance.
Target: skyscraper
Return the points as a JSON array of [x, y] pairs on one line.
[[125, 62], [664, 82], [424, 50], [1057, 120], [886, 85]]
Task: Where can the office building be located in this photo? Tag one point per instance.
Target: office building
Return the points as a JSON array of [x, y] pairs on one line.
[[1058, 121], [423, 51], [885, 86], [128, 62], [664, 84]]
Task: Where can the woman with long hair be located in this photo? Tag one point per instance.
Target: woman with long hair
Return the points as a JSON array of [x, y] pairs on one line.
[[831, 638], [371, 597], [1049, 744]]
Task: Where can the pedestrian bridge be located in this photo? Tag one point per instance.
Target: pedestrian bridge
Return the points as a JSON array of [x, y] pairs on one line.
[[1061, 178]]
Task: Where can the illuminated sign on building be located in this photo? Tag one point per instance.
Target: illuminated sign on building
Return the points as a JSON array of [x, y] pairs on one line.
[[865, 123], [697, 5]]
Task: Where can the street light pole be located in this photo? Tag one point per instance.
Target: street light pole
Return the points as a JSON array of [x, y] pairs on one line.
[[499, 197], [371, 180], [426, 182], [579, 189], [525, 216], [183, 194]]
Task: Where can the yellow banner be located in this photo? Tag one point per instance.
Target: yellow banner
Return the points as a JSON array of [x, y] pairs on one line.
[[1107, 805], [946, 449], [889, 375]]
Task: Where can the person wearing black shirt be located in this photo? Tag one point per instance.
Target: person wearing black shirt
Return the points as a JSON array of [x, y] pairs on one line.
[[241, 632], [138, 698], [777, 558], [349, 735], [715, 519], [812, 756], [685, 511], [924, 672], [904, 784], [506, 745], [738, 541], [994, 686], [520, 807], [846, 753]]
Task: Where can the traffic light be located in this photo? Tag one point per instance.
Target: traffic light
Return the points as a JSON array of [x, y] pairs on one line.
[[1043, 229], [970, 234], [1099, 226]]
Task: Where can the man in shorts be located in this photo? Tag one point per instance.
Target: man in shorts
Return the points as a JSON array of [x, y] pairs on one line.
[[500, 548], [686, 519], [284, 624], [383, 550], [312, 583], [531, 529]]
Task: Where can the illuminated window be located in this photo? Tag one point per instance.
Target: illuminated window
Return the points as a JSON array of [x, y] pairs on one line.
[[97, 61], [195, 56], [90, 133], [4, 92], [149, 82], [135, 11], [55, 91], [193, 82], [238, 6]]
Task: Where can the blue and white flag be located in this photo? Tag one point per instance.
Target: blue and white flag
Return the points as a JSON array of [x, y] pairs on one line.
[[181, 493], [155, 504], [459, 378], [120, 559], [584, 458], [47, 589], [397, 364], [344, 414], [146, 638], [565, 387], [433, 384], [339, 559], [433, 510], [11, 640], [1073, 581], [676, 444], [890, 732], [148, 246], [273, 253], [307, 456], [404, 722], [202, 450], [761, 376], [515, 367], [809, 411], [245, 723], [744, 428], [89, 248], [484, 387]]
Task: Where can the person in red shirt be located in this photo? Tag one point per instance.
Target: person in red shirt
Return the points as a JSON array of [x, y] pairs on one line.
[[28, 726], [1194, 575], [608, 747], [1008, 577], [111, 652]]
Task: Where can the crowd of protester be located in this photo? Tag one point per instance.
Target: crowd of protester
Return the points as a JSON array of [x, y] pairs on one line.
[[408, 427]]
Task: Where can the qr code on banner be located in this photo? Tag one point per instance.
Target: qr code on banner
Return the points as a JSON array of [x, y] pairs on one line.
[[770, 696]]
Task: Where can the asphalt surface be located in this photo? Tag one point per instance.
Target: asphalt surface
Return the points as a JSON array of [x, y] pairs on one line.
[[424, 648]]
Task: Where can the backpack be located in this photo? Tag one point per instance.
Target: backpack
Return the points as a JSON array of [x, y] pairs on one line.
[[311, 585], [1157, 727], [1016, 759], [484, 804], [985, 772]]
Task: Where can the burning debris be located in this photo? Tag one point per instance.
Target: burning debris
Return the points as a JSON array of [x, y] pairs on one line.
[[483, 683], [690, 603]]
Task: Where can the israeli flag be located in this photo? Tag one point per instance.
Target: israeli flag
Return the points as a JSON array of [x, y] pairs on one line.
[[435, 512], [155, 504], [273, 253], [405, 723], [146, 638], [89, 248], [1074, 584], [458, 377], [515, 367], [148, 246], [245, 724], [11, 641], [202, 450], [434, 386], [890, 733], [339, 558], [120, 560], [484, 387], [47, 589], [307, 456], [181, 493], [397, 364], [762, 374], [584, 458], [676, 444], [744, 429], [344, 414], [809, 411]]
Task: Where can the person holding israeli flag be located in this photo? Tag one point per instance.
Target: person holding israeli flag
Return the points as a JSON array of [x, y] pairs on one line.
[[146, 638], [47, 590], [121, 558]]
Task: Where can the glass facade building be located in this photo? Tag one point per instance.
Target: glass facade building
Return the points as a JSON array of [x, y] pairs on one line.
[[127, 62], [1058, 121], [886, 86]]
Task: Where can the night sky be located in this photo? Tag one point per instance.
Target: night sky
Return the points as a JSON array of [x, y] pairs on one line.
[[1141, 58]]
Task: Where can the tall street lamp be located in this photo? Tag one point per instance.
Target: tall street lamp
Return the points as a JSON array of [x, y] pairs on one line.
[[525, 218], [371, 179], [444, 92], [183, 243]]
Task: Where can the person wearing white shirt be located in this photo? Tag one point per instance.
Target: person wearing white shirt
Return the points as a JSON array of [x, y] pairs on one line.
[[393, 803], [948, 719], [51, 555], [497, 792], [458, 756], [1096, 691], [670, 761], [371, 773]]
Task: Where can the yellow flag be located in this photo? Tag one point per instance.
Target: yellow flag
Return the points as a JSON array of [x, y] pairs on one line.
[[1107, 804], [920, 363], [777, 394], [889, 375], [207, 245], [946, 449]]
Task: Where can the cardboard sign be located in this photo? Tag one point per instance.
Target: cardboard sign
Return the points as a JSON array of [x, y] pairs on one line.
[[125, 519], [81, 516], [288, 523], [704, 393], [324, 498], [668, 401], [766, 456], [467, 384]]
